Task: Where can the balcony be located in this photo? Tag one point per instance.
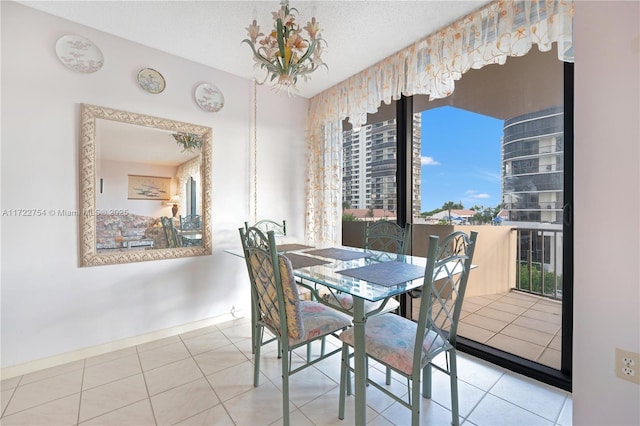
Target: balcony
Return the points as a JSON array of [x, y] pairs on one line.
[[513, 299], [516, 322]]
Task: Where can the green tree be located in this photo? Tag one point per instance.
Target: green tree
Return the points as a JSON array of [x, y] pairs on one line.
[[349, 217], [430, 213], [535, 286], [346, 205], [448, 206], [485, 214]]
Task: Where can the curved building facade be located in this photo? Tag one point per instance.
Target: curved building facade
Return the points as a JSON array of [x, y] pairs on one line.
[[533, 166]]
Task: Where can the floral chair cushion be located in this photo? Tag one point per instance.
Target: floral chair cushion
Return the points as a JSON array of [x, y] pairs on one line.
[[305, 319], [267, 295], [295, 323], [320, 320], [390, 338]]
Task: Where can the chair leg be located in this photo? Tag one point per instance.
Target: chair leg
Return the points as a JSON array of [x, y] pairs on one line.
[[344, 377], [388, 376], [426, 381], [349, 392], [322, 348], [256, 362], [453, 376], [310, 349], [285, 389], [253, 327], [415, 399]]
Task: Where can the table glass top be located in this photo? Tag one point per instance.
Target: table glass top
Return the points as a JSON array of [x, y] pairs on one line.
[[336, 273]]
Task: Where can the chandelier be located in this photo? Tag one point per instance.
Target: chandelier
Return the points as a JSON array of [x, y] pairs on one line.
[[284, 53], [188, 141]]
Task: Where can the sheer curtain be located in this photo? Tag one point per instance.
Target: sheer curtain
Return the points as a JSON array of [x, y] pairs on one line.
[[324, 183], [430, 66]]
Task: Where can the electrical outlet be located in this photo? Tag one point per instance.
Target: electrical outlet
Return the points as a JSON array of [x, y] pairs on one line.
[[627, 365]]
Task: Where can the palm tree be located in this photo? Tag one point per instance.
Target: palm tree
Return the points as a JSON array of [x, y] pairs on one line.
[[370, 212], [448, 206]]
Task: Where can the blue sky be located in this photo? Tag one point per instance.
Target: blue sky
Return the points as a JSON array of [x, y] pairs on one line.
[[460, 158]]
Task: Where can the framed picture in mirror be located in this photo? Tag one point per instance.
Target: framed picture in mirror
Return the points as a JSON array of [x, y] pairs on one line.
[[149, 188]]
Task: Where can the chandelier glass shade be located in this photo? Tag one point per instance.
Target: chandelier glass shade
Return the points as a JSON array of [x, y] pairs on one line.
[[284, 53]]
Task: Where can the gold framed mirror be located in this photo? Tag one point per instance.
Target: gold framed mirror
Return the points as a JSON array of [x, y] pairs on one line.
[[145, 188]]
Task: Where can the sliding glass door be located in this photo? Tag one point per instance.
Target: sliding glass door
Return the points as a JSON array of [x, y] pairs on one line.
[[492, 157]]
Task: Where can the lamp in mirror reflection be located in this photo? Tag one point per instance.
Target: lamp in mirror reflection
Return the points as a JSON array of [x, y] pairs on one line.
[[175, 201], [283, 52], [188, 141]]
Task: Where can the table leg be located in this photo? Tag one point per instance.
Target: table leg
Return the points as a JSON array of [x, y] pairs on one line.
[[359, 357]]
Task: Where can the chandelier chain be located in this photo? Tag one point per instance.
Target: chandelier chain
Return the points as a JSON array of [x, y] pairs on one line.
[[255, 151]]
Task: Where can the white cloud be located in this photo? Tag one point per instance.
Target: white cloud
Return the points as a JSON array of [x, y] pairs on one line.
[[483, 195], [472, 193], [428, 161]]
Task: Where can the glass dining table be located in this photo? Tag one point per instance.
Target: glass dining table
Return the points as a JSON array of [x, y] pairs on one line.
[[366, 275]]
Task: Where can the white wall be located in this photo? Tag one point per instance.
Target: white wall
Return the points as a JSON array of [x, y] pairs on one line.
[[115, 175], [49, 305], [607, 159]]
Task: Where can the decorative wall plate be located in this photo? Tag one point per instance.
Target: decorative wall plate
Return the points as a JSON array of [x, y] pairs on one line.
[[79, 54], [209, 97], [151, 80]]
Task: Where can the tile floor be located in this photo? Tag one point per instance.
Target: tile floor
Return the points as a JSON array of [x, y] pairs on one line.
[[516, 322], [204, 377], [520, 323]]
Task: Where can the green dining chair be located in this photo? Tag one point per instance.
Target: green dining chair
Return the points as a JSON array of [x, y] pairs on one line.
[[190, 222], [266, 225], [170, 232], [384, 236], [409, 348], [280, 230], [277, 303], [387, 237]]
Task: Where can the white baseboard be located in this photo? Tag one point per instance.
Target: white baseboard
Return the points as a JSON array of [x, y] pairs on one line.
[[54, 361]]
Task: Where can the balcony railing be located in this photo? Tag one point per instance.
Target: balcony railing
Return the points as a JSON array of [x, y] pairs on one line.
[[534, 205], [506, 259], [544, 168], [525, 259], [539, 261]]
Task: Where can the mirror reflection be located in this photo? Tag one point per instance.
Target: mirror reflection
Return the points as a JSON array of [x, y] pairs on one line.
[[148, 181]]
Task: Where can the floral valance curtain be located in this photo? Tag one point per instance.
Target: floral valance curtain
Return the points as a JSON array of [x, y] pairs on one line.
[[432, 65], [429, 67]]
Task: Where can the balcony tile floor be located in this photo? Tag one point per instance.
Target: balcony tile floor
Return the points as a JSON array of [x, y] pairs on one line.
[[205, 377], [522, 324]]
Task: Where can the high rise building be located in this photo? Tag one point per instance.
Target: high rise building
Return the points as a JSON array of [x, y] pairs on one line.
[[532, 166], [369, 166]]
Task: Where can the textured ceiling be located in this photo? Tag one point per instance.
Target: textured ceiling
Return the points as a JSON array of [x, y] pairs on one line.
[[358, 33]]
